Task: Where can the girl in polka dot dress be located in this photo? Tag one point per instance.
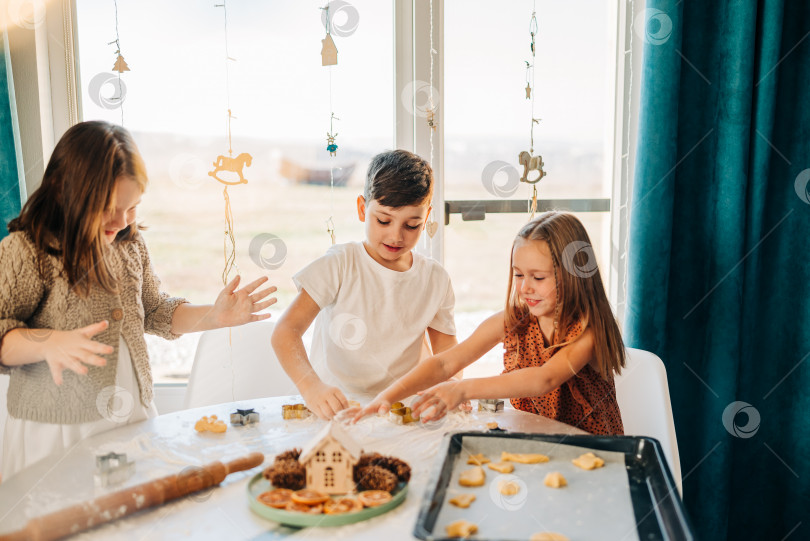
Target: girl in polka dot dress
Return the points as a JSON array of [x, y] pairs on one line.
[[562, 344]]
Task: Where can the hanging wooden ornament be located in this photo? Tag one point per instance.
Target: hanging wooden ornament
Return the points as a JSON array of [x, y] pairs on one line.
[[328, 51], [331, 146], [229, 164], [531, 163], [120, 64], [431, 227], [431, 118], [528, 91]]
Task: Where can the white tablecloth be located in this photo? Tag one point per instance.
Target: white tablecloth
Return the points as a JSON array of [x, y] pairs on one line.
[[167, 444]]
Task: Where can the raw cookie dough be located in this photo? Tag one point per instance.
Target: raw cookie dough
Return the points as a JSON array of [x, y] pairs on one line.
[[548, 536], [588, 461], [478, 460], [463, 500], [509, 488], [461, 528], [502, 467], [555, 480], [474, 477], [523, 458]]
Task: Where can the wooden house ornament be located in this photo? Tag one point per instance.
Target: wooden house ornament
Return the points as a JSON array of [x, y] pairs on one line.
[[328, 51], [329, 460]]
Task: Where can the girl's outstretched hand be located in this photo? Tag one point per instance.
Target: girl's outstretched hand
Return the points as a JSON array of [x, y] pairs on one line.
[[72, 350], [435, 402], [379, 406], [236, 307]]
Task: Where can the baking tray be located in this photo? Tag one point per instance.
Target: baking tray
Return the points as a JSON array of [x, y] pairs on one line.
[[656, 505]]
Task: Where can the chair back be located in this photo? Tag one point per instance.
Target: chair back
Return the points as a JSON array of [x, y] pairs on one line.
[[236, 363], [643, 396]]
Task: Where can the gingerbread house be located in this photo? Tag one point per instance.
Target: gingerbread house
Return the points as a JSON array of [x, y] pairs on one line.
[[328, 51], [329, 460]]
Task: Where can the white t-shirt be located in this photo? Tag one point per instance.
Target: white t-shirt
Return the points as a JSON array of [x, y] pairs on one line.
[[372, 322]]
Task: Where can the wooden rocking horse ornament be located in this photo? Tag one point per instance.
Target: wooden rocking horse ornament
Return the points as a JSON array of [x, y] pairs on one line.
[[231, 165]]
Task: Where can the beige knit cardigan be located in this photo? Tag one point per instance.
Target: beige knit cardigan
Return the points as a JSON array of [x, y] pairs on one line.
[[29, 300]]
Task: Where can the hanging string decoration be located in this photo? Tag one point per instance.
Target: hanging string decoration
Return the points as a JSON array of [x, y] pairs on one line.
[[227, 169], [120, 65], [329, 58], [532, 165], [431, 226]]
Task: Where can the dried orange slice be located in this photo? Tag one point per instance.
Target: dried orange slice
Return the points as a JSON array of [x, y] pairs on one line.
[[373, 498], [343, 505], [276, 498], [301, 508], [309, 497]]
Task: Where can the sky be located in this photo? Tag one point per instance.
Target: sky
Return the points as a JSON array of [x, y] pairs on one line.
[[279, 91]]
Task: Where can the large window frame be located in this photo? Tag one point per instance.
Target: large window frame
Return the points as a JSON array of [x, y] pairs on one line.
[[46, 83]]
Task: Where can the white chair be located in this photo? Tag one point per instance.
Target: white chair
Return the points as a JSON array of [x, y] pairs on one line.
[[236, 363], [643, 396]]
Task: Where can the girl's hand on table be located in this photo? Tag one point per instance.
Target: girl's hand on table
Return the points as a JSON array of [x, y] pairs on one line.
[[236, 307], [435, 402], [324, 400], [379, 406], [72, 350]]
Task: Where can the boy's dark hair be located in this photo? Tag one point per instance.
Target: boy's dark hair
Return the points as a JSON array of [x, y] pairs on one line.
[[398, 178]]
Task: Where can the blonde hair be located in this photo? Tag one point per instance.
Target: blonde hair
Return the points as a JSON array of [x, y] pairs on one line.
[[581, 296], [63, 216]]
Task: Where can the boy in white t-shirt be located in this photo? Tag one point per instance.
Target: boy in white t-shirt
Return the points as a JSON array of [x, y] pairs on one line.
[[374, 299]]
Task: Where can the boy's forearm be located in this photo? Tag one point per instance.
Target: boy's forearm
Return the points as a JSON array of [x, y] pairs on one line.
[[292, 355]]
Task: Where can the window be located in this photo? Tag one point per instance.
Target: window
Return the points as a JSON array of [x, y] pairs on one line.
[[336, 456], [175, 104], [320, 456], [487, 124]]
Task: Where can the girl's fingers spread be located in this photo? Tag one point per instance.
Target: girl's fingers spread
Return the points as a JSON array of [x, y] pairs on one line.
[[251, 287], [56, 373], [259, 295], [231, 287], [262, 305], [75, 365], [94, 360], [260, 317], [99, 348], [94, 329]]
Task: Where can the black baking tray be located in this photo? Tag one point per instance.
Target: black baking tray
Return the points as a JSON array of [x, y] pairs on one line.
[[657, 505]]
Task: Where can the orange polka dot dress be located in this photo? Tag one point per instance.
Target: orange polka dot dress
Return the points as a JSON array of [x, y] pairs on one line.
[[585, 401]]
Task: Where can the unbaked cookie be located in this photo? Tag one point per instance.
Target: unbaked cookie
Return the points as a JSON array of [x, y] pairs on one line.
[[555, 480], [588, 461], [461, 528], [474, 477], [502, 467], [523, 458], [463, 500]]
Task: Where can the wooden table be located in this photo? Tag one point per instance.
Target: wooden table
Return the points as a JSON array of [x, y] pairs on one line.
[[169, 443]]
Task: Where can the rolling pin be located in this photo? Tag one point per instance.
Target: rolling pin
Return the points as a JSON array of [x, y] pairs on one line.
[[130, 500]]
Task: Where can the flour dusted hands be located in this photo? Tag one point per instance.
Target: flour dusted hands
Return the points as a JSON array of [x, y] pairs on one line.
[[434, 403], [236, 307], [323, 400], [72, 350]]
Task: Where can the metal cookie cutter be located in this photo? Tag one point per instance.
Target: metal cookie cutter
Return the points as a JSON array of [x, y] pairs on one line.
[[113, 468], [244, 417], [490, 404]]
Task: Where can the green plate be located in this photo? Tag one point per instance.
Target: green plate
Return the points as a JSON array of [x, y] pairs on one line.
[[259, 484]]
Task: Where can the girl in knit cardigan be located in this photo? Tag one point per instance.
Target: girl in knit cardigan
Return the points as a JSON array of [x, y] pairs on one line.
[[77, 293]]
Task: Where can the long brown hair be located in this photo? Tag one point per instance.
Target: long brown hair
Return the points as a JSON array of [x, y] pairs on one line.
[[581, 296], [63, 216]]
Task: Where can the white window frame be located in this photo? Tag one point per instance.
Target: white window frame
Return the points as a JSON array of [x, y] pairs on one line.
[[46, 84]]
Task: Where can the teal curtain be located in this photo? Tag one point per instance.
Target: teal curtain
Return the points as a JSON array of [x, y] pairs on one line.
[[9, 178], [719, 254]]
